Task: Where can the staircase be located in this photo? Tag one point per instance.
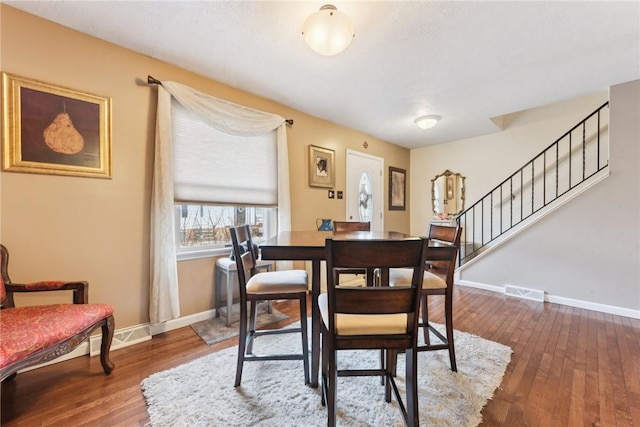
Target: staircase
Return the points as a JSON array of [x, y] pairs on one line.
[[573, 163]]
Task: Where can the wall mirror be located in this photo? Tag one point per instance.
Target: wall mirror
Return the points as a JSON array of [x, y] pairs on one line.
[[447, 193]]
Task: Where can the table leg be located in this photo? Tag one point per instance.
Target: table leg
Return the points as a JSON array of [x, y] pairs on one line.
[[315, 322]]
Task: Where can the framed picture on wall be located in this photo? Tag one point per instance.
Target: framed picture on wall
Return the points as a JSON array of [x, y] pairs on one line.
[[397, 189], [321, 167], [450, 189], [54, 130]]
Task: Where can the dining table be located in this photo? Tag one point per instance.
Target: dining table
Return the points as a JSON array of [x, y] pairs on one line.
[[310, 246]]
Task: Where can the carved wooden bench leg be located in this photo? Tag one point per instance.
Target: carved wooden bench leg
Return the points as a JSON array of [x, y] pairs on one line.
[[107, 336]]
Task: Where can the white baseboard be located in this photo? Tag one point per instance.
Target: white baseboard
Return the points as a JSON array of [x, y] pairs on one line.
[[477, 285], [181, 322], [603, 308], [571, 302]]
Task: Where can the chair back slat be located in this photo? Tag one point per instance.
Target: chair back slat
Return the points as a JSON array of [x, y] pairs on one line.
[[360, 253], [351, 226], [379, 300]]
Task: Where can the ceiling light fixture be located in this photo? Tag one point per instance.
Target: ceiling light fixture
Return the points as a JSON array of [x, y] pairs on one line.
[[427, 122], [328, 32]]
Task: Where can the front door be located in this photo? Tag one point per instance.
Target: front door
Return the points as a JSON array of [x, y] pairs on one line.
[[364, 189]]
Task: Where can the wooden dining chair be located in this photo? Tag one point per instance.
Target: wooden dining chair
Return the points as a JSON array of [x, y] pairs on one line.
[[341, 226], [438, 280], [372, 318], [265, 286]]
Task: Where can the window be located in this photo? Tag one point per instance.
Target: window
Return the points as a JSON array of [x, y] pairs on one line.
[[365, 209], [220, 181], [205, 228]]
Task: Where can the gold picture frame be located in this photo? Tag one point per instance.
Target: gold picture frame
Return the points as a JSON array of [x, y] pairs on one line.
[[54, 130], [397, 189], [321, 167]]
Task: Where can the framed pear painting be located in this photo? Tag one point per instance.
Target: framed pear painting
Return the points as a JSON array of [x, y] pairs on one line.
[[54, 130]]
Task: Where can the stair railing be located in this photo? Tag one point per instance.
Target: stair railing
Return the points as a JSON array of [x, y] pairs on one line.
[[572, 159]]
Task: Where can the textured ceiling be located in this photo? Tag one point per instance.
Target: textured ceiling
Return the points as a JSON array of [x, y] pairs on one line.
[[468, 62]]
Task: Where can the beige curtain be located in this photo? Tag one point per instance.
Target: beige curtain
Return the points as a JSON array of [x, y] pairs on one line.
[[226, 117]]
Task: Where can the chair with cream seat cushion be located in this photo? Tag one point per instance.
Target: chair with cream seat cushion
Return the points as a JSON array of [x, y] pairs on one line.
[[372, 318], [438, 280], [266, 286]]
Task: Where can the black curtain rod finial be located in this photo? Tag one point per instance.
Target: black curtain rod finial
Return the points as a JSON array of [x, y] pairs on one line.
[[153, 81]]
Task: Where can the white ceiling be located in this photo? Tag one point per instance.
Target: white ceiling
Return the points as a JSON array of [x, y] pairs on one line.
[[465, 61]]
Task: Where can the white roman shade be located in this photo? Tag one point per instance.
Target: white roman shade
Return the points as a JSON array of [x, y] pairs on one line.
[[211, 166]]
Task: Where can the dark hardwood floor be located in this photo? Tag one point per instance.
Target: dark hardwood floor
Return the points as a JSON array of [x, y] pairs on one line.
[[570, 367]]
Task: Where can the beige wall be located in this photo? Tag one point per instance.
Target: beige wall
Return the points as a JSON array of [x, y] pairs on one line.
[[98, 229], [588, 249]]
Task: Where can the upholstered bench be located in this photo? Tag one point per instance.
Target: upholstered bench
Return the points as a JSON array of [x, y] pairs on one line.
[[37, 334], [227, 268]]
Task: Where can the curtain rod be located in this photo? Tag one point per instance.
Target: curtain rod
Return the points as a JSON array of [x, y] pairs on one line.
[[154, 81]]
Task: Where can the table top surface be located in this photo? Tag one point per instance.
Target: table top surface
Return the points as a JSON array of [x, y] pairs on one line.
[[317, 238]]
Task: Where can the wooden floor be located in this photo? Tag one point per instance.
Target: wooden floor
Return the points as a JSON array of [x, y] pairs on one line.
[[570, 367]]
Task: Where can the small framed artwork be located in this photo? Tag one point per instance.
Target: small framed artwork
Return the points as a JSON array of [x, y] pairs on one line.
[[321, 167], [54, 130], [397, 189], [450, 189]]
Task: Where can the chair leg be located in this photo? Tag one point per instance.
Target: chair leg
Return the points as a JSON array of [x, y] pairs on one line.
[[305, 339], [324, 366], [412, 386], [253, 315], [230, 276], [332, 379], [217, 291], [425, 319], [389, 368], [448, 310], [105, 345], [242, 342]]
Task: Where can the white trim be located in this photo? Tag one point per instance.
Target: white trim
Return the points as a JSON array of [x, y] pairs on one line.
[[603, 308], [181, 322], [554, 299], [477, 285]]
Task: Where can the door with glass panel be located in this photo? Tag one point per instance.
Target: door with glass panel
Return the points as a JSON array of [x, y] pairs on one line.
[[364, 192]]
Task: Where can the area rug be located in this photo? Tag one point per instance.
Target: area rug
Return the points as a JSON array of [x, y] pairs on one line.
[[215, 329], [201, 393]]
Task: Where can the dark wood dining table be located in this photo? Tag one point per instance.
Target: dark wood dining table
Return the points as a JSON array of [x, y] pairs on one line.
[[310, 246]]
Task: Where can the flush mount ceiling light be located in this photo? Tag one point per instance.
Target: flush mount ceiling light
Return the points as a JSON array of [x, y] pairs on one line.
[[328, 32], [427, 122]]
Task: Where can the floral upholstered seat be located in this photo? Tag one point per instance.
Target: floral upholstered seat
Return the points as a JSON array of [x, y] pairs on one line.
[[33, 335]]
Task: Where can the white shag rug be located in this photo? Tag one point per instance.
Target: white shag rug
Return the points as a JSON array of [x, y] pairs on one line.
[[201, 393]]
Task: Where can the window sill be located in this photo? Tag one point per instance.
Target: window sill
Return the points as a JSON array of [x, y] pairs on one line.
[[205, 253]]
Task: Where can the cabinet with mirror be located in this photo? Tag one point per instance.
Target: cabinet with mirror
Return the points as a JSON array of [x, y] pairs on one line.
[[447, 196]]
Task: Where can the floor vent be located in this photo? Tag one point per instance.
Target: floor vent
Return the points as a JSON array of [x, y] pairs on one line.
[[121, 338], [517, 291]]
